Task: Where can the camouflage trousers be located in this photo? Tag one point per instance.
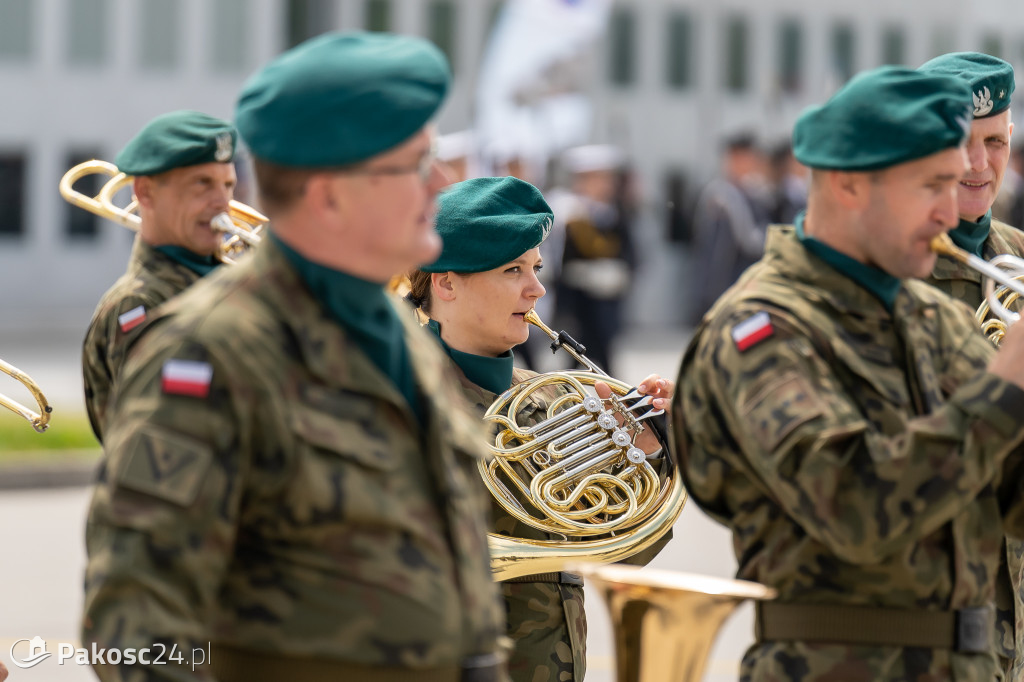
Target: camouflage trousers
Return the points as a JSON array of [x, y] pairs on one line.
[[548, 628]]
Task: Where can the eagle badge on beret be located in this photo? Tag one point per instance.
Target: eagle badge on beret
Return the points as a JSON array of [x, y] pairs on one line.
[[223, 153], [983, 102]]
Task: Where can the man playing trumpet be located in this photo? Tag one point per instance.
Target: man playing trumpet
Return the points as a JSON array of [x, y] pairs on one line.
[[181, 162], [847, 422]]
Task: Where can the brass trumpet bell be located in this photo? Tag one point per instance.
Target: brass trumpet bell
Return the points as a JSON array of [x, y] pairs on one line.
[[241, 225], [665, 623], [40, 420]]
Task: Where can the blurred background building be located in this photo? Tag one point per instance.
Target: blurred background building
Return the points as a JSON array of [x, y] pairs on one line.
[[664, 80]]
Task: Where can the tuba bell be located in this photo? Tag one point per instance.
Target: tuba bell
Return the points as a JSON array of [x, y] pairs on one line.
[[578, 473], [241, 225], [1004, 285], [40, 420]]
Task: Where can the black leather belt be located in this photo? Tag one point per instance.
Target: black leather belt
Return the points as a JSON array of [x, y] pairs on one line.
[[968, 630], [561, 577]]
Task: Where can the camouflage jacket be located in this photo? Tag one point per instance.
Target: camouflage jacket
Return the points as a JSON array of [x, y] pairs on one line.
[[853, 453], [268, 489], [963, 282], [121, 315], [546, 621]]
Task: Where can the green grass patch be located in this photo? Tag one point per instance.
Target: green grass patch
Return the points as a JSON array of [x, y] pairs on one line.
[[67, 436]]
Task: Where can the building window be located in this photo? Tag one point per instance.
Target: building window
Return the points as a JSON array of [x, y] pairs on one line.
[[843, 55], [308, 18], [160, 34], [441, 27], [791, 50], [80, 224], [737, 39], [16, 19], [230, 35], [12, 194], [680, 50], [378, 15], [992, 44], [88, 33], [622, 55], [894, 45]]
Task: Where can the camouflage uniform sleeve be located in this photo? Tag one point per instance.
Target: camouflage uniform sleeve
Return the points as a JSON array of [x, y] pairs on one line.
[[163, 518], [858, 491], [113, 328]]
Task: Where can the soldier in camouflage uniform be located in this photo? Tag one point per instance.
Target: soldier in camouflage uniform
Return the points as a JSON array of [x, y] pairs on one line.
[[475, 295], [850, 426], [290, 476], [183, 177], [988, 153]]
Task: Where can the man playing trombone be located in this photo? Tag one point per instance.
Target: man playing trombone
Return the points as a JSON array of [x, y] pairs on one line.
[[988, 153], [848, 422], [183, 177]]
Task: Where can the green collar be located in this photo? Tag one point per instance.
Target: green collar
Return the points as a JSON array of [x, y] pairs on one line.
[[881, 285], [492, 374], [201, 265], [971, 236]]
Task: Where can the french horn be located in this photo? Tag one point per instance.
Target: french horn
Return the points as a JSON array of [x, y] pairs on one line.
[[578, 473], [40, 420], [1003, 285], [241, 225]]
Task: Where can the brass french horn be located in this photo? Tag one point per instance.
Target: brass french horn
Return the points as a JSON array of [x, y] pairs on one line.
[[1004, 284], [40, 420], [579, 472], [241, 225]]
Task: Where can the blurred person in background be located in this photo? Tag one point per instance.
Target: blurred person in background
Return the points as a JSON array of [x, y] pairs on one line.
[[729, 223], [789, 186], [184, 176], [1009, 206], [598, 257], [457, 153]]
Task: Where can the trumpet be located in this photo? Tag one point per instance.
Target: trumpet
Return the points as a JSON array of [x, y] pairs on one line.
[[39, 420], [577, 474], [1006, 271], [241, 225]]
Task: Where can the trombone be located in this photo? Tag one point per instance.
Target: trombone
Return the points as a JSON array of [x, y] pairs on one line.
[[1006, 271], [39, 420], [241, 225]]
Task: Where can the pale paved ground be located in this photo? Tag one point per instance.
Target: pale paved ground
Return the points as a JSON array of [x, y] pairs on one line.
[[42, 555]]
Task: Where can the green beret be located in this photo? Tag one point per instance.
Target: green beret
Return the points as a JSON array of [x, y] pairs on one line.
[[884, 117], [990, 79], [487, 222], [177, 139], [340, 98]]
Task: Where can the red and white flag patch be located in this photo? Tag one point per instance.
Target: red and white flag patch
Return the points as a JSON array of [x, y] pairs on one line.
[[132, 319], [752, 331], [186, 377]]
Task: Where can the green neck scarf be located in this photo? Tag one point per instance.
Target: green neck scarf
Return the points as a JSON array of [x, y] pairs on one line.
[[971, 236], [363, 309], [881, 285], [201, 265], [492, 374]]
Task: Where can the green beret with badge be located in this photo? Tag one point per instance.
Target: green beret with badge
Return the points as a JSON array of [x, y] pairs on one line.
[[341, 98], [175, 140], [487, 222], [990, 79], [884, 117]]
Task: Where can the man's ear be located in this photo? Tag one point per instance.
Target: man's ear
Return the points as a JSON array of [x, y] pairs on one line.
[[442, 285], [142, 187], [851, 190]]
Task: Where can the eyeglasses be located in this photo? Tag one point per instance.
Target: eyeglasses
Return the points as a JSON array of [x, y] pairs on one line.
[[423, 168]]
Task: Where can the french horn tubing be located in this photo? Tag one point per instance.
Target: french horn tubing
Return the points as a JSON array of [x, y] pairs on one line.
[[241, 225], [1003, 286], [578, 473], [40, 420]]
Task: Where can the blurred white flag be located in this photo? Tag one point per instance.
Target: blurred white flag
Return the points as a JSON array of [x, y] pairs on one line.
[[529, 99]]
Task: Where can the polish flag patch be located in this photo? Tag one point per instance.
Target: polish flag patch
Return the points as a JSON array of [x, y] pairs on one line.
[[186, 377], [752, 331], [131, 319]]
